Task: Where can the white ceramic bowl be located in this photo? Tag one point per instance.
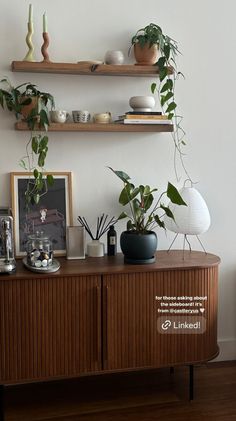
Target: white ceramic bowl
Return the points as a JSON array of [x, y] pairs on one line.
[[142, 103]]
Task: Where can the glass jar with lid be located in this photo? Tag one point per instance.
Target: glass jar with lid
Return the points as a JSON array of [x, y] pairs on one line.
[[39, 250]]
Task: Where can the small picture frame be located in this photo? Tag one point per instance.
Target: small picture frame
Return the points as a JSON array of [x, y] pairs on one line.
[[75, 243], [51, 215]]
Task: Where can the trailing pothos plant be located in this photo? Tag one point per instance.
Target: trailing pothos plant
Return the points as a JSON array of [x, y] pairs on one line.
[[168, 74], [145, 214], [31, 105]]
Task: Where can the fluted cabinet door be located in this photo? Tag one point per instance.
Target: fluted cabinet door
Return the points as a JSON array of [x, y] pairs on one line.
[[131, 315], [49, 327]]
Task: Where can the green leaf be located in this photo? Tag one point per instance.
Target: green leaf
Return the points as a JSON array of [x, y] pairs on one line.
[[171, 107], [163, 73], [161, 62], [50, 179], [166, 50], [168, 96], [36, 198], [129, 226], [43, 143], [121, 174], [125, 195], [36, 173], [123, 215], [168, 212], [174, 196], [34, 144], [41, 159], [159, 222], [153, 87]]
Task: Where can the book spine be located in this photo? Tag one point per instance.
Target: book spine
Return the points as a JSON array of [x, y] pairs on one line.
[[140, 121], [146, 117], [143, 113]]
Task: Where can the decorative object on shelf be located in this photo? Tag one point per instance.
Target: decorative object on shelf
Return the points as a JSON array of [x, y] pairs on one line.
[[75, 243], [59, 116], [114, 57], [55, 266], [39, 250], [191, 220], [102, 118], [30, 55], [31, 105], [142, 220], [142, 103], [52, 215], [95, 247], [111, 241], [7, 257], [44, 48], [81, 116]]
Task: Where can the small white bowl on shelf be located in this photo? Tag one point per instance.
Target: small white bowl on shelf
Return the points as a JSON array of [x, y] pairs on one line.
[[142, 103]]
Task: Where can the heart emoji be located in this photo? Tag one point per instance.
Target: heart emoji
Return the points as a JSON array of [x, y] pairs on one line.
[[202, 310]]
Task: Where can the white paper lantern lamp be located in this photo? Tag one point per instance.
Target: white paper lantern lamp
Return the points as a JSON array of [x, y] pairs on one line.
[[193, 219]]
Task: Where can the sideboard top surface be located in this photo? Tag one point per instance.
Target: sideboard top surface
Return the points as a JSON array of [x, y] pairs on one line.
[[172, 260]]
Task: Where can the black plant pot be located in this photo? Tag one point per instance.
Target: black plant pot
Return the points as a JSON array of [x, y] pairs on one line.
[[138, 248]]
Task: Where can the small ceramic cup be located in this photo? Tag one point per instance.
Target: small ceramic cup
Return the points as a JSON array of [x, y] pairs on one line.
[[59, 116], [81, 116], [103, 118]]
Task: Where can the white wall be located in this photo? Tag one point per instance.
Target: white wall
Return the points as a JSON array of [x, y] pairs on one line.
[[82, 30]]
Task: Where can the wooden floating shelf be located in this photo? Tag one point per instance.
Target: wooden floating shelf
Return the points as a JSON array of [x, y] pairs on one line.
[[85, 69], [93, 127]]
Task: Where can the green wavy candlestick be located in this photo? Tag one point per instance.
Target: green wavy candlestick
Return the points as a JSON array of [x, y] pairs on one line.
[[30, 55]]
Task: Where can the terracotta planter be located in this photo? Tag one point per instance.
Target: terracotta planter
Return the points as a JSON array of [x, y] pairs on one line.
[[146, 55], [26, 109]]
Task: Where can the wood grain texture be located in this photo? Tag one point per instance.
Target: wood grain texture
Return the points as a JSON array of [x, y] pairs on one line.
[[172, 260], [100, 314], [85, 69], [96, 127], [49, 328], [132, 337]]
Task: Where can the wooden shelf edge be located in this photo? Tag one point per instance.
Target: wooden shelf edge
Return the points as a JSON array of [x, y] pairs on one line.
[[84, 69], [93, 127]]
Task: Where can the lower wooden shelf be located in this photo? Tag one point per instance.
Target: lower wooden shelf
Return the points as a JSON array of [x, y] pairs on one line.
[[95, 127]]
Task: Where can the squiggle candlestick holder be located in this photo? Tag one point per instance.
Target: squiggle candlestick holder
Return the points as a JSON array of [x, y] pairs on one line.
[[44, 48], [30, 55]]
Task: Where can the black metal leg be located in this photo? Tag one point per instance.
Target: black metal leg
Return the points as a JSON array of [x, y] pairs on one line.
[[191, 382], [1, 402]]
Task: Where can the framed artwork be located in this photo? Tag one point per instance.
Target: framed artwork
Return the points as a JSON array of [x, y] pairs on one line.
[[51, 215]]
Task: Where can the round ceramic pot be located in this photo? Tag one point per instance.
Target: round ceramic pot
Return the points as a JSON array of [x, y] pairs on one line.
[[103, 118], [145, 55], [142, 103], [114, 57], [138, 248]]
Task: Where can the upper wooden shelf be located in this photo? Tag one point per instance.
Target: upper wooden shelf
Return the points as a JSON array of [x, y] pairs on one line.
[[84, 69], [95, 127]]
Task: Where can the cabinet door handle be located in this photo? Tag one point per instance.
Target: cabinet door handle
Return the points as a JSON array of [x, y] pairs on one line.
[[98, 323], [105, 331]]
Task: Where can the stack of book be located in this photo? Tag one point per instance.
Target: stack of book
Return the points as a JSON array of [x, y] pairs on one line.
[[143, 117]]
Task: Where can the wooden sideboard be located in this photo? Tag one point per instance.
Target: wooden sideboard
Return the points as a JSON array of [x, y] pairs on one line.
[[100, 315]]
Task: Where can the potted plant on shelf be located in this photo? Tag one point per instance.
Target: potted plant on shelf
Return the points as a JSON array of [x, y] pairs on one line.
[[31, 105], [151, 38], [139, 241]]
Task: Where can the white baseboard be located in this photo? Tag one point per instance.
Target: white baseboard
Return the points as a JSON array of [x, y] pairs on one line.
[[227, 350]]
